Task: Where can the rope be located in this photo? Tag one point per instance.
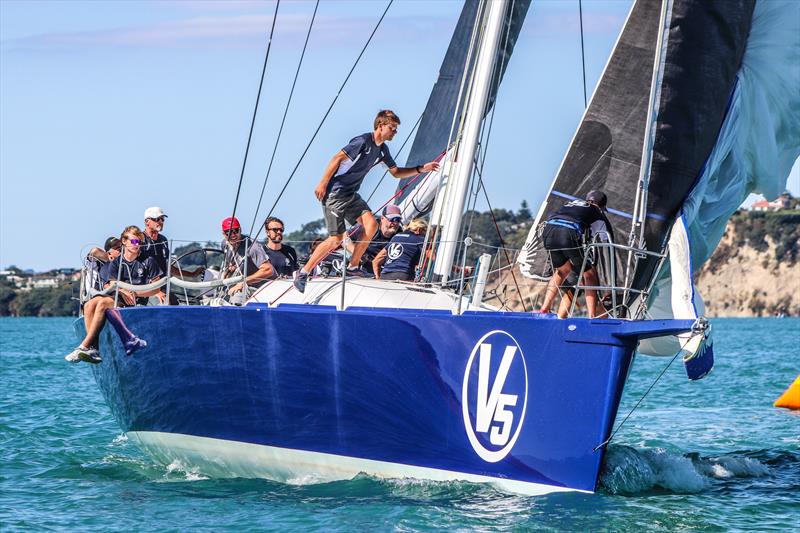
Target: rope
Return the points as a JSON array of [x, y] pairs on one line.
[[643, 396], [583, 57], [255, 109], [283, 120], [319, 127]]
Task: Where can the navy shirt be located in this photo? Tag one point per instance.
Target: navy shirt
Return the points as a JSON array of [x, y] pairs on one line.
[[376, 244], [363, 154], [284, 261], [403, 253], [137, 272], [157, 249]]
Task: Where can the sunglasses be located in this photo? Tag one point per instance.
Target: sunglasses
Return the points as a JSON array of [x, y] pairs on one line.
[[159, 219], [232, 231], [135, 242], [276, 230]]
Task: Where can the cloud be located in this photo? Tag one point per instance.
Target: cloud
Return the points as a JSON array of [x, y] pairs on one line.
[[229, 31]]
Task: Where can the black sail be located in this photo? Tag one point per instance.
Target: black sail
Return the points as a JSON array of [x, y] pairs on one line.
[[434, 129], [606, 151], [705, 47], [702, 53]]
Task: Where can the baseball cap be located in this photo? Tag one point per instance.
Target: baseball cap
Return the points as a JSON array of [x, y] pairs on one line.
[[598, 197], [111, 242], [392, 212], [154, 212], [230, 223]]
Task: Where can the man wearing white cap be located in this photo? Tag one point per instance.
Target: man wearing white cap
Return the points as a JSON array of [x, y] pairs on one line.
[[156, 245], [388, 228]]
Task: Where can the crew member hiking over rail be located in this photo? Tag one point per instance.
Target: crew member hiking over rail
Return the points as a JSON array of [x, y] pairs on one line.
[[562, 237], [338, 190]]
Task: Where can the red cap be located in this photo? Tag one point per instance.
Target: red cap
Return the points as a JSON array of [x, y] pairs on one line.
[[230, 223]]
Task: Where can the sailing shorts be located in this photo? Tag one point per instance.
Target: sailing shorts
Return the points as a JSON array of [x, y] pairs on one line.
[[336, 210], [564, 244]]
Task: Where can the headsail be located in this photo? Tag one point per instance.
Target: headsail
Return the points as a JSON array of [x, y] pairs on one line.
[[606, 151]]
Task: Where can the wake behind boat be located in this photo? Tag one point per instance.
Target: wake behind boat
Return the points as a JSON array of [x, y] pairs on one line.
[[424, 379]]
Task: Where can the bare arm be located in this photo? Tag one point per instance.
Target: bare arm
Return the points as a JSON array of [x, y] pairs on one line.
[[377, 263], [407, 172], [330, 170]]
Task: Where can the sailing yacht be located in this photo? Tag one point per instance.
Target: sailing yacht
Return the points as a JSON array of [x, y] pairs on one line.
[[426, 380]]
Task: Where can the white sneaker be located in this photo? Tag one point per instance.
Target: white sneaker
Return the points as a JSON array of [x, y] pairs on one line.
[[90, 356], [73, 356]]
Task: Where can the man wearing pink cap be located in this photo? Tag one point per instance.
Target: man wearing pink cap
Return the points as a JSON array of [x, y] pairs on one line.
[[244, 256], [388, 228]]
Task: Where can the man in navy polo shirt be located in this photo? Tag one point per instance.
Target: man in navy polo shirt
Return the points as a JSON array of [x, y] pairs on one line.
[[388, 227], [338, 190], [156, 244]]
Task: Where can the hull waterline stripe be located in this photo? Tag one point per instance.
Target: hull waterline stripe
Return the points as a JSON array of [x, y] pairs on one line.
[[226, 458]]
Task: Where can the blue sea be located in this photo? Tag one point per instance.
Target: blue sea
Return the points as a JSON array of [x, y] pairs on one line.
[[712, 455]]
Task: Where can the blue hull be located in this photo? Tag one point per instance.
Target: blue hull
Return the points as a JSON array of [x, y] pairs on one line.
[[501, 395]]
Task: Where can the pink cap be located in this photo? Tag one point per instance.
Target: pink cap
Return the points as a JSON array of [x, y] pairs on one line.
[[392, 212], [230, 223]]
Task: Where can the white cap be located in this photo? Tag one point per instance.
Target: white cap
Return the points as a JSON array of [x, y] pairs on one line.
[[154, 212]]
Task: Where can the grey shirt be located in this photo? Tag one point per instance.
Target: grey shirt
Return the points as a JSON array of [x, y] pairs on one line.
[[256, 256]]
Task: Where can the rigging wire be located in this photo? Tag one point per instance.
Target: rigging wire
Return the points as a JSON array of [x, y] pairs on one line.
[[643, 396], [283, 120], [583, 55], [319, 127], [255, 109]]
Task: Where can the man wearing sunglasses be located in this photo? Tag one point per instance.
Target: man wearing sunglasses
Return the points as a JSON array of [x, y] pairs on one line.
[[156, 244], [338, 190], [282, 256], [389, 226], [244, 255]]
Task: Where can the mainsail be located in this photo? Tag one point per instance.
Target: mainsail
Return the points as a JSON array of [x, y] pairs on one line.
[[443, 107]]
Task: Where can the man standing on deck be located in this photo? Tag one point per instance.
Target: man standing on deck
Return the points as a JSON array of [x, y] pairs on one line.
[[282, 256], [338, 190]]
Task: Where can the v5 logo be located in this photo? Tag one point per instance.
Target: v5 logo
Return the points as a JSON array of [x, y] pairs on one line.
[[497, 396]]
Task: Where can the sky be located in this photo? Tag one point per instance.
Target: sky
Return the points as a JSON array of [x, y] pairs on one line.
[[107, 108]]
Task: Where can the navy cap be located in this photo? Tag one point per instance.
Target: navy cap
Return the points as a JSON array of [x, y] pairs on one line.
[[598, 197]]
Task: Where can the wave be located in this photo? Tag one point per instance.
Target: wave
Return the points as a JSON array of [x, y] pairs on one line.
[[630, 470]]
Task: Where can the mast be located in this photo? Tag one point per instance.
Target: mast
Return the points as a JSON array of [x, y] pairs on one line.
[[636, 236], [458, 183]]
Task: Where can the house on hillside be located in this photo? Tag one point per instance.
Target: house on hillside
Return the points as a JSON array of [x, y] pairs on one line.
[[784, 201]]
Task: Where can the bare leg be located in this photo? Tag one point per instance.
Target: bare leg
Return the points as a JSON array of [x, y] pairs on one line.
[[370, 227], [590, 278], [322, 251], [95, 323], [556, 280], [566, 303]]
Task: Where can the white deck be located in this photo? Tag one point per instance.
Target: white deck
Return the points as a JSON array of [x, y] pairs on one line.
[[362, 292]]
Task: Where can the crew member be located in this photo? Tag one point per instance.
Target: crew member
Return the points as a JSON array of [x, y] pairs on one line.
[[338, 189], [562, 237]]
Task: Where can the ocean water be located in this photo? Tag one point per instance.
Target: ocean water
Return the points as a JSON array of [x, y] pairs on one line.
[[712, 455]]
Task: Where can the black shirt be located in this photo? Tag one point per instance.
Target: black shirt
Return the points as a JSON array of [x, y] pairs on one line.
[[157, 249], [284, 261], [581, 213]]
